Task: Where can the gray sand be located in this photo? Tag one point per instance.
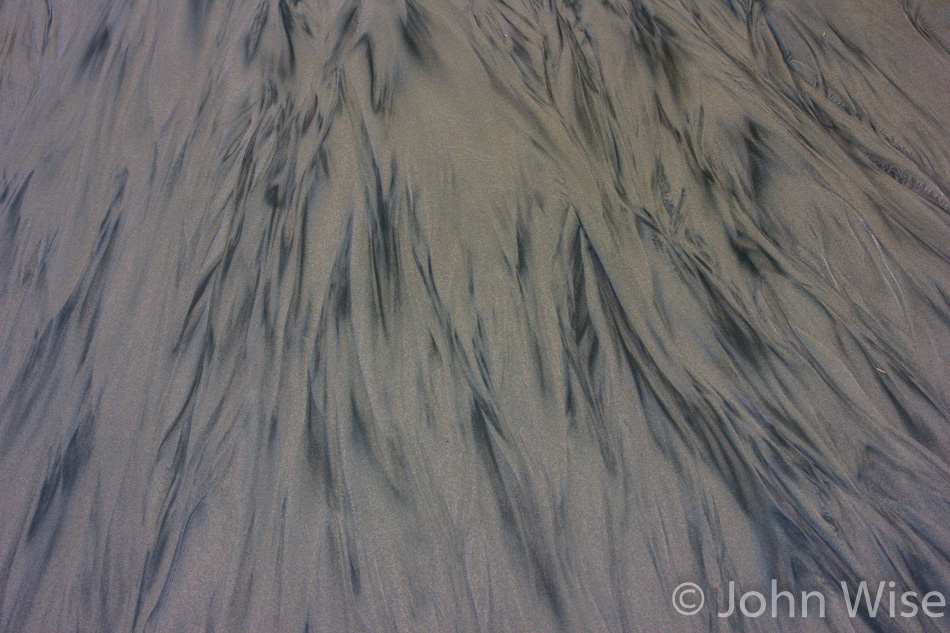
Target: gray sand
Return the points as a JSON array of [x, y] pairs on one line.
[[433, 315]]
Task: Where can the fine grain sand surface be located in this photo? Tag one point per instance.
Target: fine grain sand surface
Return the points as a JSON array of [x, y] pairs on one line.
[[463, 316]]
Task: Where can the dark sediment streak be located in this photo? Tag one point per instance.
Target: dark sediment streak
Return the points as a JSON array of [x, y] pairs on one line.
[[470, 316]]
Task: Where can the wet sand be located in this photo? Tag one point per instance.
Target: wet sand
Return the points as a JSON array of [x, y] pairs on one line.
[[471, 316]]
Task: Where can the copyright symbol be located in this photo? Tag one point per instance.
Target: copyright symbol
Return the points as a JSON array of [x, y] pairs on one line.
[[688, 599]]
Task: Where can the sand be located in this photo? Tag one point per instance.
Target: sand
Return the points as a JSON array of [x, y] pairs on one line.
[[433, 315]]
